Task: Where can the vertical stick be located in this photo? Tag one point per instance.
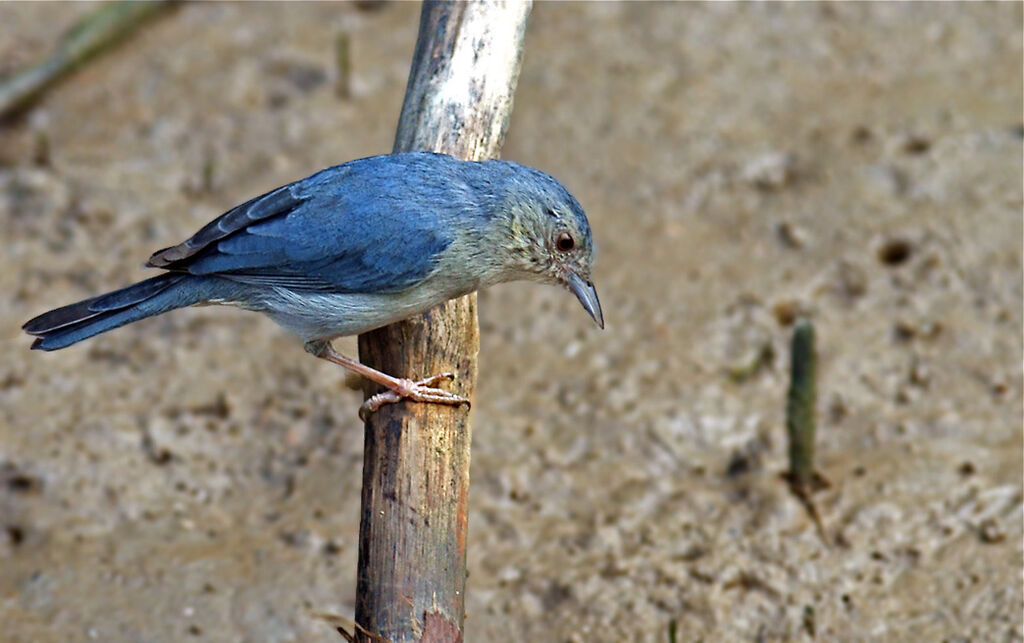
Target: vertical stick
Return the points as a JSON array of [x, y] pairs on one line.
[[413, 528], [801, 422], [800, 405]]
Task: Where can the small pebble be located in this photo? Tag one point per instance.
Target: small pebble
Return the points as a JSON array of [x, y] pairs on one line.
[[787, 310], [992, 532], [772, 171], [791, 235], [913, 144], [895, 251]]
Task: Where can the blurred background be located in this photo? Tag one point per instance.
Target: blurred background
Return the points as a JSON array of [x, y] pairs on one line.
[[197, 475]]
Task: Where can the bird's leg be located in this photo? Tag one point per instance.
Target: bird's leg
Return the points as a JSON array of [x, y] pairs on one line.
[[398, 388]]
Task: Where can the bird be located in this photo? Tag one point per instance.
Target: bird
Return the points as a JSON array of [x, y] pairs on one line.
[[358, 246]]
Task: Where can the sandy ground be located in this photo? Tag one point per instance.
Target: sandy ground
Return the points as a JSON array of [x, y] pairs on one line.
[[197, 475]]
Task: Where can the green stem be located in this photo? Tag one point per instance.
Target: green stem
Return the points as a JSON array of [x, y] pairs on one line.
[[800, 405]]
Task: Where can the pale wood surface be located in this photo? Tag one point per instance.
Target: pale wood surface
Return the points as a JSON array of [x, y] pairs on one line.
[[413, 529]]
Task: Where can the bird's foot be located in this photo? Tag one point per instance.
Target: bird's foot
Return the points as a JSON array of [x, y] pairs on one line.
[[421, 391], [397, 389]]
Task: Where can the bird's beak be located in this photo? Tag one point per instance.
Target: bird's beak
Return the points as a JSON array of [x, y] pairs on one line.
[[584, 291]]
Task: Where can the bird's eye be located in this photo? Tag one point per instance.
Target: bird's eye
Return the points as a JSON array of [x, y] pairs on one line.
[[565, 242]]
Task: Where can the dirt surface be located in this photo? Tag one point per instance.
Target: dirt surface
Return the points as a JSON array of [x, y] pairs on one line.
[[197, 475]]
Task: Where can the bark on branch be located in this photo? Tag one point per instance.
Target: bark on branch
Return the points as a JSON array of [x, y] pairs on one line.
[[413, 527]]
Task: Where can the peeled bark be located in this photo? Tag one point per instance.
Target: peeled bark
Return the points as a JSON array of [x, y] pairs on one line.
[[413, 528]]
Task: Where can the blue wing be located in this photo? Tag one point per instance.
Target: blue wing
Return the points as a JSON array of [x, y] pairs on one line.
[[372, 225]]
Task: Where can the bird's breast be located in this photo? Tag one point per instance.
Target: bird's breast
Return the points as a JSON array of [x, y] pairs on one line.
[[314, 315]]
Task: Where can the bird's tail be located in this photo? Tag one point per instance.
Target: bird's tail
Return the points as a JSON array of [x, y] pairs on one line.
[[65, 326]]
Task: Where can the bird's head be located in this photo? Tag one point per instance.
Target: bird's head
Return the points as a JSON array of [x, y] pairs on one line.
[[550, 236]]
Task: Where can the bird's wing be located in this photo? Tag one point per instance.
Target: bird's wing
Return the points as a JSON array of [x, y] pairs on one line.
[[337, 231], [275, 203]]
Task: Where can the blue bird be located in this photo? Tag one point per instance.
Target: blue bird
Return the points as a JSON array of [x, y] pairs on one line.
[[359, 246]]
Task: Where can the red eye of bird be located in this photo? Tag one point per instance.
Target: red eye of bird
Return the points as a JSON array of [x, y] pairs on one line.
[[565, 242]]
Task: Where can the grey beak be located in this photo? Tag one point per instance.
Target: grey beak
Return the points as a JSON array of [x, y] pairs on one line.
[[585, 292]]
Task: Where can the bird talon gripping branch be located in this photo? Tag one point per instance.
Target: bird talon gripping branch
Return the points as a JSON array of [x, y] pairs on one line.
[[359, 246], [420, 391]]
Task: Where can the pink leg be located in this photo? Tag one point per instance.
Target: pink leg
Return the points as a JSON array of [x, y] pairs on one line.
[[398, 389]]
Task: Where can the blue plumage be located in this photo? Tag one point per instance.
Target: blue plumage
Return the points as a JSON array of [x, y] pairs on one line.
[[358, 246], [322, 233]]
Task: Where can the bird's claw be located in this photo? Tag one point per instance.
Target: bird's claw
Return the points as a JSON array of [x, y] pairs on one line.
[[421, 391]]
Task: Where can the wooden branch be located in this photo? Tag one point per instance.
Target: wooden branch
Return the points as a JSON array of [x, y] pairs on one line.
[[413, 527], [96, 32]]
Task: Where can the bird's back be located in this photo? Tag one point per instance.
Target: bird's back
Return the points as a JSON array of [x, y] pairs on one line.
[[374, 225]]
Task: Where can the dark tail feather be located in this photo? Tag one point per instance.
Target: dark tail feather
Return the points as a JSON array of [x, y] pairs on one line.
[[65, 326]]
